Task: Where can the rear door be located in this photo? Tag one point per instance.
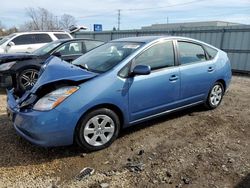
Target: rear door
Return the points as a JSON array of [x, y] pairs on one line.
[[196, 70], [40, 39], [159, 91]]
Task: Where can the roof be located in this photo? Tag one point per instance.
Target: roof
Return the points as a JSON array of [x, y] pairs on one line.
[[34, 32], [77, 39], [148, 39], [145, 39]]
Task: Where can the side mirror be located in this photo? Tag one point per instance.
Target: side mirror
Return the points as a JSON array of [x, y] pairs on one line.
[[141, 70], [11, 44], [57, 54]]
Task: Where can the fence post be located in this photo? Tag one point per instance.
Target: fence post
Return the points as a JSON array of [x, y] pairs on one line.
[[111, 35], [222, 38]]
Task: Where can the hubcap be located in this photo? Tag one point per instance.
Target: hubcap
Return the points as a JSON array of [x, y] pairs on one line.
[[99, 130], [28, 78], [216, 95]]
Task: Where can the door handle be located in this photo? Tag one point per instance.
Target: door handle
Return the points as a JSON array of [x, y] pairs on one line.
[[210, 69], [173, 78]]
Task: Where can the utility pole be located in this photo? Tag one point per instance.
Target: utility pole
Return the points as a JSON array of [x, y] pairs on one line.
[[119, 19]]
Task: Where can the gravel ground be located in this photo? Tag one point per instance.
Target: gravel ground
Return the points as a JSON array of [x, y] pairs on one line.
[[192, 148]]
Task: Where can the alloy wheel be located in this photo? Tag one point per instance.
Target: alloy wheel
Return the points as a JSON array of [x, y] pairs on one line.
[[99, 130], [216, 95]]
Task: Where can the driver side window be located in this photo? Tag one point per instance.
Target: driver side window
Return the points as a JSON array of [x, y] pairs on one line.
[[161, 55]]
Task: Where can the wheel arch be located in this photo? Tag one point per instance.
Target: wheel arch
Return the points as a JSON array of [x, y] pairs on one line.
[[223, 83], [110, 106]]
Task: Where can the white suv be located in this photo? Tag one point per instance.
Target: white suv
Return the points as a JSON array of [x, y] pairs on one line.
[[30, 41]]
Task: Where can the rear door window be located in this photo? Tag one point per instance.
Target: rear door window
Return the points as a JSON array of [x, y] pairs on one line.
[[71, 48], [211, 52], [190, 52], [42, 38]]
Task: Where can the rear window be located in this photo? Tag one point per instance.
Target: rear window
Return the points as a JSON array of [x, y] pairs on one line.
[[62, 36], [211, 52]]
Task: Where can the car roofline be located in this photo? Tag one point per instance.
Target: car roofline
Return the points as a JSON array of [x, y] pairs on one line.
[[149, 39]]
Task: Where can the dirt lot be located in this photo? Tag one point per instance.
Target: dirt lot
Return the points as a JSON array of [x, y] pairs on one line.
[[192, 148]]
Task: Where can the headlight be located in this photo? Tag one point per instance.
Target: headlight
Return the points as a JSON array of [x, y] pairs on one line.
[[7, 66], [53, 99]]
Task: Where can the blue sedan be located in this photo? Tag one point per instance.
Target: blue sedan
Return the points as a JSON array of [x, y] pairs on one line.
[[119, 84]]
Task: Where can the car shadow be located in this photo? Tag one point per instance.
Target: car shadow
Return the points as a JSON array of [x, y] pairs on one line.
[[244, 183], [161, 119], [16, 151]]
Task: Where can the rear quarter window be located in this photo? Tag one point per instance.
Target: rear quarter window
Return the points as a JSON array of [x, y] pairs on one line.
[[62, 36], [42, 38]]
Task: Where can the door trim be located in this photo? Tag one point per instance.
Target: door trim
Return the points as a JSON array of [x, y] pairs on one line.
[[166, 112]]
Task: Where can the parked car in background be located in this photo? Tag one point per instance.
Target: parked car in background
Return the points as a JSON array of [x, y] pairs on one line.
[[20, 70], [116, 85], [30, 41]]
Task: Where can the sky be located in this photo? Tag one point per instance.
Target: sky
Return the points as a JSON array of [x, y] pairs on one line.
[[134, 13]]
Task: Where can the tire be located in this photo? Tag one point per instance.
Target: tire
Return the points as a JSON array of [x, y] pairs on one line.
[[27, 79], [97, 129], [215, 96]]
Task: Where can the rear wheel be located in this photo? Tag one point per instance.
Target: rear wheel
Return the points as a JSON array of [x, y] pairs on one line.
[[27, 79], [215, 96], [97, 129]]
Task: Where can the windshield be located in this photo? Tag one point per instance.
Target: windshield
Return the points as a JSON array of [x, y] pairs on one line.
[[47, 48], [107, 56], [6, 38]]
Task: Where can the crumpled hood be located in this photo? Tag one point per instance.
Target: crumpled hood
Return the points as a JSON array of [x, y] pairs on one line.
[[15, 57], [56, 70]]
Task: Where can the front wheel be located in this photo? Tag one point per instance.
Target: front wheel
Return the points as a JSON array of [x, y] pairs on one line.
[[97, 129], [215, 96]]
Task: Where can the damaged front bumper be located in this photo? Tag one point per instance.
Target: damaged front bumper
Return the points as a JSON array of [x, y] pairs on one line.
[[47, 129]]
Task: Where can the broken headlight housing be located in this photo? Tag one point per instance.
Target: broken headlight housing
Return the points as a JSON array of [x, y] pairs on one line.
[[54, 98], [7, 66]]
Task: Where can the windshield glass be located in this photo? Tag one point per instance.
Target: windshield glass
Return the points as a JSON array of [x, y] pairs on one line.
[[47, 48], [6, 38], [107, 56]]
